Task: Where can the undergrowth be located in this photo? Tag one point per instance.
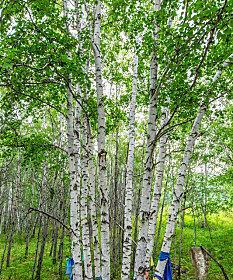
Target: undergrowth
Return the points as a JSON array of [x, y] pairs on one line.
[[217, 239]]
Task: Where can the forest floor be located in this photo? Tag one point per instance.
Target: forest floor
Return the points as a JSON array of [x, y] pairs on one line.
[[221, 247], [218, 240]]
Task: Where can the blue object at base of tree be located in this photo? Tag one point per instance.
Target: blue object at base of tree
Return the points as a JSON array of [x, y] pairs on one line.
[[69, 266], [168, 268]]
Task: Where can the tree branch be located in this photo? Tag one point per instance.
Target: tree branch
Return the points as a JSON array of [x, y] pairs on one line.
[[217, 262], [31, 209]]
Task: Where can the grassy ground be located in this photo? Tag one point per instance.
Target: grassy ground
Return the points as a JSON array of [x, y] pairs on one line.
[[221, 247], [21, 268]]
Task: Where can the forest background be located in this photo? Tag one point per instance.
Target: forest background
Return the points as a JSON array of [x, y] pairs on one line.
[[116, 137]]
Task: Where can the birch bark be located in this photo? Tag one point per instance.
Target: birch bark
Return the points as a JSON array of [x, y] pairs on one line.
[[73, 137], [127, 241], [84, 206], [101, 148], [158, 184], [178, 192], [92, 204], [146, 185], [74, 170], [157, 188]]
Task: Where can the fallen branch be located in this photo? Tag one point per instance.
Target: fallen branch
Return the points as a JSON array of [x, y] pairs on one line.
[[217, 262]]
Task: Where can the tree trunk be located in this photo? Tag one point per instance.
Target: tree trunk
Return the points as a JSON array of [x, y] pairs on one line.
[[54, 252], [92, 204], [84, 206], [157, 189], [148, 171], [178, 192], [37, 248], [42, 248], [10, 244], [127, 241], [74, 153], [115, 205], [105, 246], [74, 156]]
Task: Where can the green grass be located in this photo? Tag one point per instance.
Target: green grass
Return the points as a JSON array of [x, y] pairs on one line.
[[21, 267], [221, 247]]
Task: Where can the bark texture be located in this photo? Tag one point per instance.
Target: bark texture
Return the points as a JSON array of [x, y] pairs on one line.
[[139, 265], [157, 188], [84, 206], [105, 246], [74, 169], [178, 192], [127, 242]]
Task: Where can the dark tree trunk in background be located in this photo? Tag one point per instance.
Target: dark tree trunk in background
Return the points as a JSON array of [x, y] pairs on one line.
[[42, 248]]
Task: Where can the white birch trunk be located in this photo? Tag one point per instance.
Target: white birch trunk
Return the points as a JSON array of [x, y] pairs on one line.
[[92, 205], [105, 246], [158, 184], [73, 135], [178, 192], [147, 177], [127, 241], [157, 189], [74, 155], [84, 206]]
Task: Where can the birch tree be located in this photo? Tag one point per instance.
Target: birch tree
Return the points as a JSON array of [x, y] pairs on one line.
[[127, 242], [93, 202], [73, 135], [74, 167], [146, 185], [157, 187], [84, 206], [50, 55], [105, 246], [179, 190]]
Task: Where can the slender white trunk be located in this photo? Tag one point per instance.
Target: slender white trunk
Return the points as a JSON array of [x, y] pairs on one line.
[[158, 184], [178, 192], [92, 205], [146, 187], [127, 241], [84, 206], [157, 188], [105, 246], [73, 135], [139, 265], [74, 155]]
